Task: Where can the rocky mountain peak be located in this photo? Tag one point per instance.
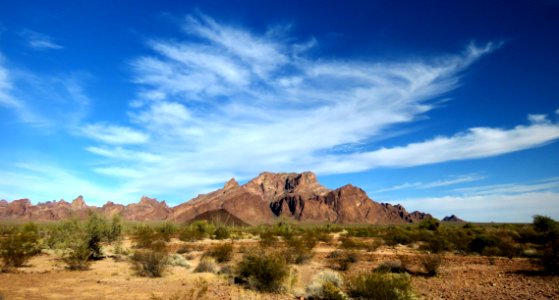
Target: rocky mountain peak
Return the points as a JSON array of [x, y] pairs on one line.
[[79, 203], [271, 185], [232, 183]]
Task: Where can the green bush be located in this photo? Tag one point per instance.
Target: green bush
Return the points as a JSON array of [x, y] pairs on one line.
[[144, 235], [263, 271], [544, 224], [165, 231], [222, 252], [76, 252], [430, 224], [195, 231], [18, 246], [149, 263], [96, 228], [221, 233], [114, 232], [380, 286]]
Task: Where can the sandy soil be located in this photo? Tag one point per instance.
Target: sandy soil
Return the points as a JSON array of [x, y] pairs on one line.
[[460, 277]]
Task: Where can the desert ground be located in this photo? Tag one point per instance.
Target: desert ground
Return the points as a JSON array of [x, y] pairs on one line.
[[44, 276]]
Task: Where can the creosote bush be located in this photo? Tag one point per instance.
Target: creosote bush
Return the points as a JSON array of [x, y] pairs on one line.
[[149, 263], [380, 286], [431, 264], [19, 245], [263, 271], [221, 252], [76, 252]]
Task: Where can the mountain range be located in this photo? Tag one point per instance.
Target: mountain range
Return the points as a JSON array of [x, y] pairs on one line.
[[263, 200]]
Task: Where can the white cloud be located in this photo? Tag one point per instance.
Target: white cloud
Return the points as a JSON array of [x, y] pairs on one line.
[[500, 203], [537, 118], [477, 142], [226, 102], [112, 134], [124, 154], [40, 41], [451, 180]]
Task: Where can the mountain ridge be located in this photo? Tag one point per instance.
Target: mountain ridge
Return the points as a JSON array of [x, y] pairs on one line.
[[262, 200]]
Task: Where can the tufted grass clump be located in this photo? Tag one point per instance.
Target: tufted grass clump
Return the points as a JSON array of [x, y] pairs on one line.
[[380, 285]]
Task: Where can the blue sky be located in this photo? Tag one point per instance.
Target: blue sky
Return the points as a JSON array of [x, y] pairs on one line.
[[449, 107]]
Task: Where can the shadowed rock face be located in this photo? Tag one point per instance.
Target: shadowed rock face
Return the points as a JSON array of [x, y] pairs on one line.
[[264, 199], [453, 218]]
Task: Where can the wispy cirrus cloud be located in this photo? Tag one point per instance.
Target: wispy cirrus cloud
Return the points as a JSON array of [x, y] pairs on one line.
[[224, 101], [448, 181], [499, 203], [39, 41], [114, 134], [56, 100]]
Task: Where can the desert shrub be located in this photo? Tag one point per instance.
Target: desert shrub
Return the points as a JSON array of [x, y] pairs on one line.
[[96, 228], [58, 234], [144, 235], [543, 224], [394, 236], [20, 245], [165, 231], [345, 260], [221, 233], [263, 271], [76, 252], [436, 244], [268, 239], [222, 252], [149, 263], [177, 260], [195, 231], [430, 224], [207, 264], [299, 249], [481, 242], [391, 266], [431, 264], [326, 285], [378, 285], [114, 231]]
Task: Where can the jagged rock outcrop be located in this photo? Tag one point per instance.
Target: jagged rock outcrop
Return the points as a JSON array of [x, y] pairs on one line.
[[453, 218], [147, 209], [264, 199]]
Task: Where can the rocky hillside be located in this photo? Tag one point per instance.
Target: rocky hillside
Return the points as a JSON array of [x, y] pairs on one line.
[[264, 199]]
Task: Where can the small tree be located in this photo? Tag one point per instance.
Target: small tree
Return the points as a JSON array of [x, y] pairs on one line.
[[544, 224], [96, 228], [20, 245]]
